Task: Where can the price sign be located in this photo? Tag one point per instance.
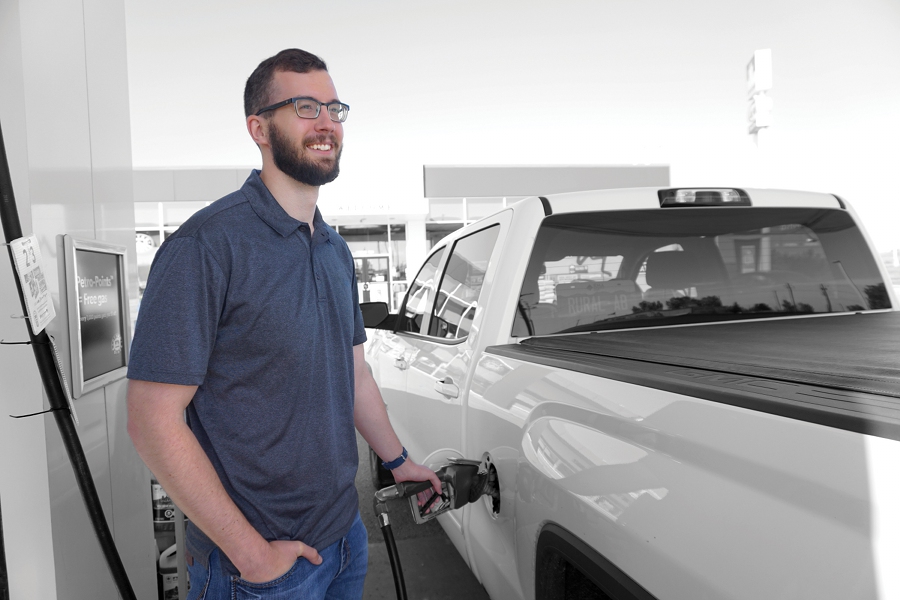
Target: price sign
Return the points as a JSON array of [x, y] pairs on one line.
[[27, 258]]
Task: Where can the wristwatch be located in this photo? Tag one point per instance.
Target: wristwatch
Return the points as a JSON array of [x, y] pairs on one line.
[[390, 466]]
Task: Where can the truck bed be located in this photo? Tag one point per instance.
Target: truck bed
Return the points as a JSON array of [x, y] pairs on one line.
[[838, 371]]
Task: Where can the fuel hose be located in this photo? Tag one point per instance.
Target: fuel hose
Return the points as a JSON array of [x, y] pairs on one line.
[[395, 492], [393, 555]]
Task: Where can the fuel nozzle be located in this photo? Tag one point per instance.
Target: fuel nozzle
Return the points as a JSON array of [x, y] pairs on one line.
[[468, 480], [463, 482]]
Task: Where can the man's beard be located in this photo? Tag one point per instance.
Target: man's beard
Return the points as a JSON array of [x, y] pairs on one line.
[[298, 165]]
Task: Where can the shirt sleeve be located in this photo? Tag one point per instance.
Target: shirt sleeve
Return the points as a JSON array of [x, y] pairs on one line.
[[178, 316]]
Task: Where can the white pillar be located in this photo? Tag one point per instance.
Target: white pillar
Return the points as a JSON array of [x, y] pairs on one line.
[[24, 484], [64, 110], [416, 246]]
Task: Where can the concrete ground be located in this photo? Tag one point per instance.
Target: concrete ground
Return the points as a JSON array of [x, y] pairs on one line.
[[432, 568]]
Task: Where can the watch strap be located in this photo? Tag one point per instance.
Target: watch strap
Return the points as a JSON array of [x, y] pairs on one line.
[[391, 465]]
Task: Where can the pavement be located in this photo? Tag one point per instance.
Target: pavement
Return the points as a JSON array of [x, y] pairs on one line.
[[432, 568]]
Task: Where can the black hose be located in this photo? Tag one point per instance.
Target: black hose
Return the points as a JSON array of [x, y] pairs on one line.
[[43, 354], [393, 555]]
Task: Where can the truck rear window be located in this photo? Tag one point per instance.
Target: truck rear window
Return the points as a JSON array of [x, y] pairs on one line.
[[610, 270]]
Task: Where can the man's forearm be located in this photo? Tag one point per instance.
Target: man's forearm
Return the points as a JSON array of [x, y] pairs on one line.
[[175, 457], [372, 421]]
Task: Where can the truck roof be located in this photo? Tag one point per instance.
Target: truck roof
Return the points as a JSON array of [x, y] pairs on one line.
[[648, 198]]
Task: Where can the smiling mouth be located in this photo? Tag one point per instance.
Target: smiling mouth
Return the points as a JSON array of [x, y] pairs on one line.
[[320, 147]]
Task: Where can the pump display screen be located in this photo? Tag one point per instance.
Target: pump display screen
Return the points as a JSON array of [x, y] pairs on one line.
[[94, 283], [100, 314]]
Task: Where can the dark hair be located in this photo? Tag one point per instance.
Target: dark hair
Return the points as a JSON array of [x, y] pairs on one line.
[[257, 92]]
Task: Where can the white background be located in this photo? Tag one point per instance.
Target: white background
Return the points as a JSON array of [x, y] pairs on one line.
[[525, 82]]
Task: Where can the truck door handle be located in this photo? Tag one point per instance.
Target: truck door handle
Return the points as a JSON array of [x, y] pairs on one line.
[[447, 388], [401, 363]]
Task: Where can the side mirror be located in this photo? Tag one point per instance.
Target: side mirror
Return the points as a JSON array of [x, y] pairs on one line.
[[375, 314]]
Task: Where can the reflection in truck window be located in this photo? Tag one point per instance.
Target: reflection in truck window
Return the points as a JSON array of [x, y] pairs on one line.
[[420, 296], [461, 284], [593, 271]]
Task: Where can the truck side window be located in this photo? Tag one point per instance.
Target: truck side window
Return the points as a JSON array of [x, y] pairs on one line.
[[461, 285], [420, 296]]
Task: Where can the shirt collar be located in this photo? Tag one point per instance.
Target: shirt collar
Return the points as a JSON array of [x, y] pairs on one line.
[[267, 208]]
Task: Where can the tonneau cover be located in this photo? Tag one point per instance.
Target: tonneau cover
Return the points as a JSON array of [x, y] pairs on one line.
[[858, 352], [839, 371]]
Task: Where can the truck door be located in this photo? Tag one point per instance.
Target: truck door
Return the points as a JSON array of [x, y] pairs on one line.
[[434, 346], [436, 329], [440, 360]]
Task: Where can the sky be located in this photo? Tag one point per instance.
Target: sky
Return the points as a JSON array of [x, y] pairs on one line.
[[573, 82]]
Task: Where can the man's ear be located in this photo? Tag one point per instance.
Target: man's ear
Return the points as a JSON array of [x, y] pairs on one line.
[[258, 130]]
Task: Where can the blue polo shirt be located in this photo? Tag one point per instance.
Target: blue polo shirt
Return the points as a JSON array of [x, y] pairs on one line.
[[243, 302]]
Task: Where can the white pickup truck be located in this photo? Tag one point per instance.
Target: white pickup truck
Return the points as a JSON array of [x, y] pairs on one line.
[[682, 394]]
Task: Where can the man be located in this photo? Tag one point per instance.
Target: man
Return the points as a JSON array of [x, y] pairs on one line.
[[250, 323]]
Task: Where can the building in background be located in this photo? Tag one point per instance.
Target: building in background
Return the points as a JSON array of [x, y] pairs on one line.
[[387, 248]]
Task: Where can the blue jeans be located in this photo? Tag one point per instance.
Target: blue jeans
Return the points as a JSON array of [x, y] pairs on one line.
[[339, 577]]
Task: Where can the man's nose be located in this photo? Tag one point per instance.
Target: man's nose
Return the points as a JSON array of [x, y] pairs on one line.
[[323, 121]]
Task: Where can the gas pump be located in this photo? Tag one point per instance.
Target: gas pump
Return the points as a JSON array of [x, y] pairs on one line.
[[373, 276]]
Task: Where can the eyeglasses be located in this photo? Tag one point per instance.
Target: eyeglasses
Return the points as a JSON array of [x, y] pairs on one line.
[[309, 108]]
